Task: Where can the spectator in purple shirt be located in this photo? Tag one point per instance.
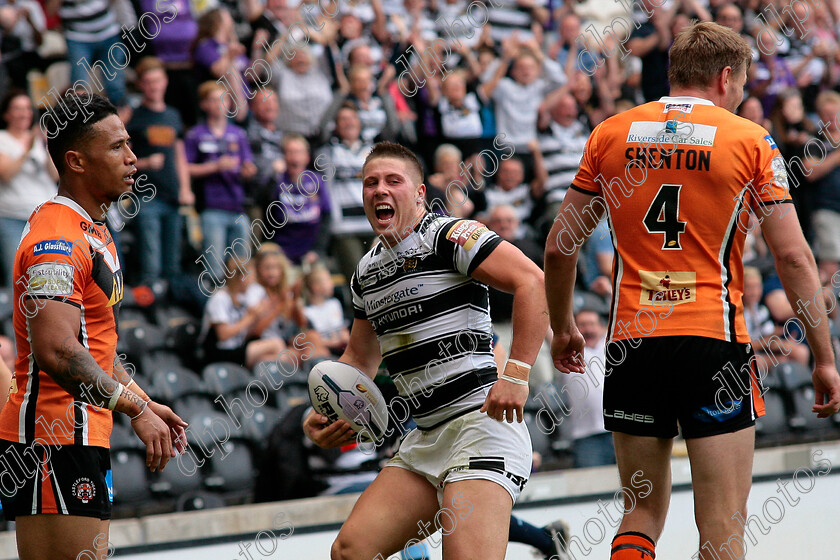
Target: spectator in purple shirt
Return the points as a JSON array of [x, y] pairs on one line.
[[220, 161], [218, 54], [173, 45], [304, 208]]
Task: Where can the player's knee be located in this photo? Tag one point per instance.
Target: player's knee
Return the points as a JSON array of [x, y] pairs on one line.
[[716, 527]]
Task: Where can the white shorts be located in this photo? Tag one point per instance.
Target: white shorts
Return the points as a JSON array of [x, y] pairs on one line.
[[472, 446], [826, 224]]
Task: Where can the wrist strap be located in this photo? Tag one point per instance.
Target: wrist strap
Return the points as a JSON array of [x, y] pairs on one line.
[[517, 370], [130, 381], [142, 410], [112, 403], [518, 363], [513, 380]]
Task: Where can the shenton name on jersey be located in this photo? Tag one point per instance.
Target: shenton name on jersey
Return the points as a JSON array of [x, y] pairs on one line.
[[665, 144]]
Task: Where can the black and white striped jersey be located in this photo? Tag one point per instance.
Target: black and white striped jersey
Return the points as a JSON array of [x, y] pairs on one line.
[[345, 186], [431, 318], [562, 149], [88, 20]]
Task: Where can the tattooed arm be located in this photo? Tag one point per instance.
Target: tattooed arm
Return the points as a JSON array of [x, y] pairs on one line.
[[54, 332]]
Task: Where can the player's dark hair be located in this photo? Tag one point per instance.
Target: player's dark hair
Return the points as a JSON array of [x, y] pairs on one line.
[[702, 51], [79, 126], [396, 151]]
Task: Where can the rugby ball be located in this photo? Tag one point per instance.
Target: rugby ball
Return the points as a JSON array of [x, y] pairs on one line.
[[339, 391]]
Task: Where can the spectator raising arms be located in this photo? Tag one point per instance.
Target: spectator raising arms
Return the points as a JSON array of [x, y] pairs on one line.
[[27, 175], [218, 54], [303, 91]]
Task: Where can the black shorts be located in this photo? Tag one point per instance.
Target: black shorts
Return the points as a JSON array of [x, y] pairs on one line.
[[708, 386], [67, 480]]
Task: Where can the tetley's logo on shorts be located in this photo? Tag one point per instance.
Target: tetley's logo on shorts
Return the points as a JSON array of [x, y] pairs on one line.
[[54, 246]]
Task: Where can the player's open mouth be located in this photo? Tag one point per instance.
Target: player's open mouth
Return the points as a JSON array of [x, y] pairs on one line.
[[384, 212], [129, 178]]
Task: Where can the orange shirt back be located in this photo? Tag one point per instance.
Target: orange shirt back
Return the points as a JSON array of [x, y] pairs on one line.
[[65, 256], [679, 177]]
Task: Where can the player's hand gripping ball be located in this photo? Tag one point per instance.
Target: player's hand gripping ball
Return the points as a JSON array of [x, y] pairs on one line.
[[339, 391]]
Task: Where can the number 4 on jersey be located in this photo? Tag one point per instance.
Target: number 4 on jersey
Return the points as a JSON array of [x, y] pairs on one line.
[[663, 216]]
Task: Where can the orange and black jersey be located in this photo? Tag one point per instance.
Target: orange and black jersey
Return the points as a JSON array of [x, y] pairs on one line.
[[63, 256], [679, 178]]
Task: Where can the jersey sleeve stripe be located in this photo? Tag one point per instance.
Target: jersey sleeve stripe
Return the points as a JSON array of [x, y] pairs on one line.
[[765, 203], [580, 190], [62, 299], [483, 253]]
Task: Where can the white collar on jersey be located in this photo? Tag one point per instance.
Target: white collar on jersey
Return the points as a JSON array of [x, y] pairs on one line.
[[686, 99], [70, 203]]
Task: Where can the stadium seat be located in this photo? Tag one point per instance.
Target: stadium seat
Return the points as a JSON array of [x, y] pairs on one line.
[[257, 428], [175, 481], [792, 375], [775, 421], [137, 341], [158, 359], [234, 472], [209, 429], [271, 371], [173, 315], [197, 500], [131, 317], [123, 437], [802, 399], [129, 471], [181, 328], [182, 338], [292, 394], [223, 378], [174, 383], [795, 380], [193, 405]]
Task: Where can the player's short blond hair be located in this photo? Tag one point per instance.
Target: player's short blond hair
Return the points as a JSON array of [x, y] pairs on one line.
[[701, 52]]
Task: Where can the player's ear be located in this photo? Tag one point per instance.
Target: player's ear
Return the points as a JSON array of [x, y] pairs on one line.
[[421, 191], [75, 161], [724, 78]]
